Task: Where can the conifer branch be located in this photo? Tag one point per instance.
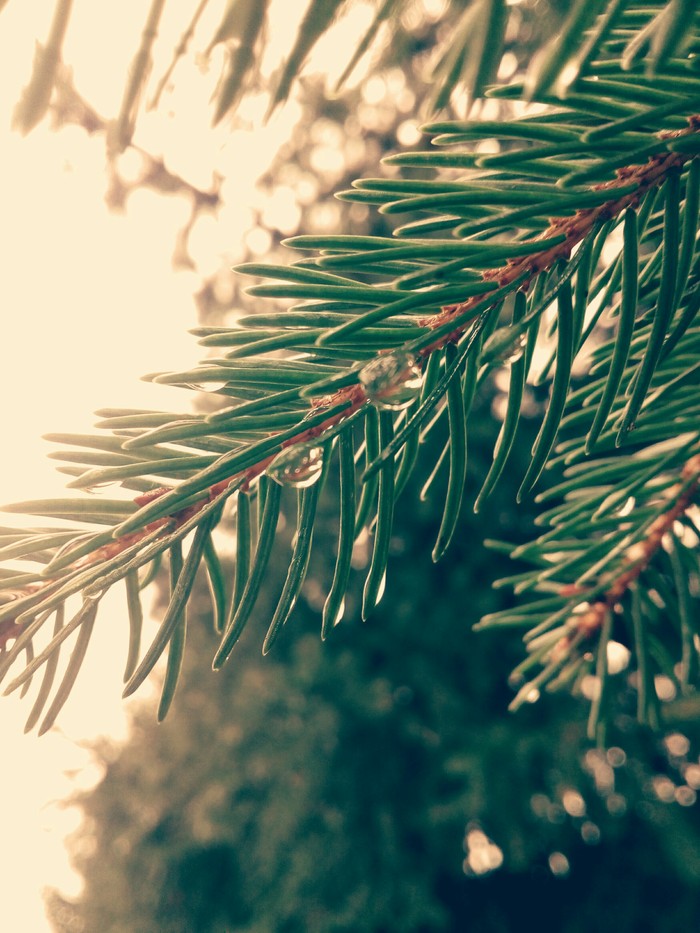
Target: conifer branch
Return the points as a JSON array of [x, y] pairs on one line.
[[631, 184], [633, 180], [635, 560], [396, 335]]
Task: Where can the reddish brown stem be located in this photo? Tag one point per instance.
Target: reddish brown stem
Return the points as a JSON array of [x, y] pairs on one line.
[[638, 556]]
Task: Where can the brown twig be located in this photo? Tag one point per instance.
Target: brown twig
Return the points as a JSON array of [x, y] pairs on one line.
[[575, 228], [636, 559]]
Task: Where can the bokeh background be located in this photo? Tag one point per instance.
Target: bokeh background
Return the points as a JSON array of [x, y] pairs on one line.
[[374, 782]]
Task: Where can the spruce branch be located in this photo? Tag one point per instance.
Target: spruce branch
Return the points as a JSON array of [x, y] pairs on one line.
[[584, 625], [394, 336], [632, 183], [156, 519]]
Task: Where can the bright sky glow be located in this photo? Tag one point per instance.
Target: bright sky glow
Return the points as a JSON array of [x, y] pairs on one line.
[[90, 302]]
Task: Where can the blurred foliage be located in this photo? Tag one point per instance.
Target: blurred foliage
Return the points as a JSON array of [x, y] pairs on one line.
[[426, 32], [337, 138], [354, 787], [398, 81]]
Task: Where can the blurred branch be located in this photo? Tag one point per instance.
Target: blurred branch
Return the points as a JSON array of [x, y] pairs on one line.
[[35, 98], [178, 52], [120, 137], [69, 107]]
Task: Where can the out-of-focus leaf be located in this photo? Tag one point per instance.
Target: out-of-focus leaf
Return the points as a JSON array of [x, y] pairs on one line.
[[243, 21], [138, 75], [317, 19], [473, 52], [670, 34], [549, 62], [384, 13], [179, 51]]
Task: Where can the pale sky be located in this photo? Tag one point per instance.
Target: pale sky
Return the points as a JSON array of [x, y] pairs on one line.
[[84, 295], [90, 302]]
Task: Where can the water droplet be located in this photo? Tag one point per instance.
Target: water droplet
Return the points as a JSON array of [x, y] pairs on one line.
[[207, 386], [392, 381], [504, 347], [93, 593], [299, 466], [99, 489], [528, 693], [317, 409]]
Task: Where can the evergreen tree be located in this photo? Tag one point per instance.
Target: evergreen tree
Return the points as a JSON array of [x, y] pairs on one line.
[[558, 241]]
